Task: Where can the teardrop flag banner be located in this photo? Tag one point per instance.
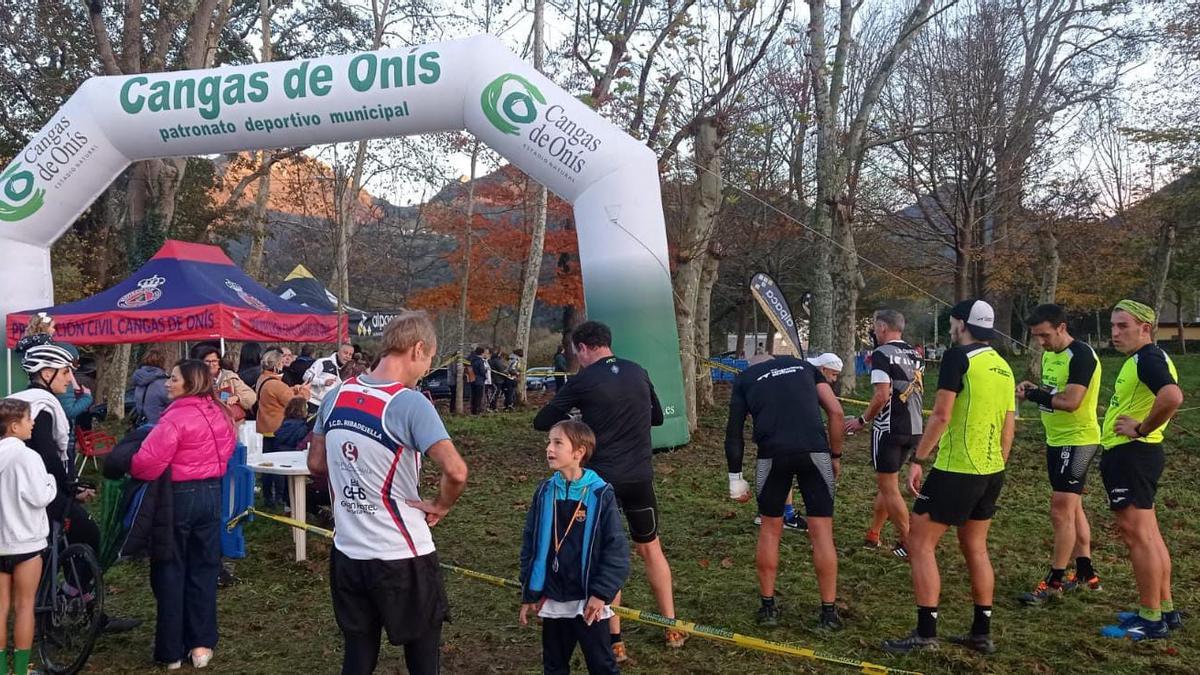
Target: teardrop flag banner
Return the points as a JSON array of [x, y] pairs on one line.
[[770, 297]]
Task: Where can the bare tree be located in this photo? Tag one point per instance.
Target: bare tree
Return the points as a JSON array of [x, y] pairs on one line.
[[152, 184], [537, 240], [839, 155]]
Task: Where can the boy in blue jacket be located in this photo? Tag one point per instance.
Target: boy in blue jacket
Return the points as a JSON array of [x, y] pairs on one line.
[[574, 555]]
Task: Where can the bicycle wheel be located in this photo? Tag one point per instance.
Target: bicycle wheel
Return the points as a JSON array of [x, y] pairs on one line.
[[67, 628]]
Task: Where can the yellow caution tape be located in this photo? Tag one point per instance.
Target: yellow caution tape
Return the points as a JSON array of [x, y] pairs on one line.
[[708, 632], [720, 366]]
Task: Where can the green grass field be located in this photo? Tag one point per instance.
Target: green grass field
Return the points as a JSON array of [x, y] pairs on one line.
[[278, 620]]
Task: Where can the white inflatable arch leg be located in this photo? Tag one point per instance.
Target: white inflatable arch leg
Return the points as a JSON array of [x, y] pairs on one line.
[[474, 84]]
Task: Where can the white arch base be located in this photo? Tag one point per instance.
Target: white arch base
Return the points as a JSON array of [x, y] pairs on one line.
[[474, 84]]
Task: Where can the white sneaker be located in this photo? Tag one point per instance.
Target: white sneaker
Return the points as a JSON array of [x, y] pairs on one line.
[[175, 665], [201, 657]]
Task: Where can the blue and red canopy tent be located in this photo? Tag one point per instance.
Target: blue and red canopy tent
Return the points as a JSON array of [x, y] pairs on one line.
[[186, 292]]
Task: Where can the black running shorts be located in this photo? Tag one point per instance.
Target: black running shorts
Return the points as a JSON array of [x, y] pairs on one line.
[[407, 598], [1068, 466], [9, 563], [637, 501], [890, 451], [1131, 472], [813, 474], [954, 498]]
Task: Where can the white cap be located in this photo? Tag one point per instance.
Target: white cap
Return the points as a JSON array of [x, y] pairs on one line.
[[827, 360], [978, 315]]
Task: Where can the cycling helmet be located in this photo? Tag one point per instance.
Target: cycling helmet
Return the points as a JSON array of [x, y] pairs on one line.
[[46, 356]]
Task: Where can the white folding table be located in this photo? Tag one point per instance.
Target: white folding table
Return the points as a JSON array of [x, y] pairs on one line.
[[294, 465]]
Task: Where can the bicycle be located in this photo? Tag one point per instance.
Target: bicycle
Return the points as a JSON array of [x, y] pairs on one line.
[[70, 602]]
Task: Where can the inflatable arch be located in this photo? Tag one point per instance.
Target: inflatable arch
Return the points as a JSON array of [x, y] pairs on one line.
[[474, 84]]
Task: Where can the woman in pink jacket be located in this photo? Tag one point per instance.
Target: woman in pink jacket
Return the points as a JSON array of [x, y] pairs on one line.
[[193, 440]]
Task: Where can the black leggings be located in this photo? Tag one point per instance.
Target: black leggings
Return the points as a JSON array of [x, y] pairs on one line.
[[422, 656], [82, 530]]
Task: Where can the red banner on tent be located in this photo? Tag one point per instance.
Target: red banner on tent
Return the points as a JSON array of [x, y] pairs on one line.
[[186, 292]]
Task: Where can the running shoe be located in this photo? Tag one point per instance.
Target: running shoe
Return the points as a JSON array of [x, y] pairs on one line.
[[758, 520], [796, 523], [1173, 619], [675, 638], [1073, 582], [1137, 629], [1043, 593], [768, 616], [871, 540], [618, 650], [830, 620], [980, 643], [899, 551], [912, 643]]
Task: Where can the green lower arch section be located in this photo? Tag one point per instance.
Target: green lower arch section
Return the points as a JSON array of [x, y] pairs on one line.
[[638, 307]]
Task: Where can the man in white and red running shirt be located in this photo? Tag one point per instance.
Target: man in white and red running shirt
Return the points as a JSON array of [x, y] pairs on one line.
[[370, 437]]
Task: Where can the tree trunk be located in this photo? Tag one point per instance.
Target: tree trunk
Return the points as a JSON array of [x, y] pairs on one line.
[[258, 222], [466, 281], [1051, 263], [1179, 321], [691, 250], [739, 348], [258, 218], [537, 240], [820, 328], [847, 284], [113, 380], [708, 278], [1162, 265]]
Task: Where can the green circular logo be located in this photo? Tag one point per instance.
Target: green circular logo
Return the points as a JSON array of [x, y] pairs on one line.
[[20, 200], [507, 110]]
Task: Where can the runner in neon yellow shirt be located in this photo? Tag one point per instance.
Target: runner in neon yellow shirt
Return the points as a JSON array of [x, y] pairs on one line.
[[1067, 397], [1145, 396], [972, 425]]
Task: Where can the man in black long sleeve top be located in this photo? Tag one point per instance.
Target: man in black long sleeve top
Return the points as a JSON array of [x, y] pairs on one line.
[[49, 368], [785, 395], [617, 400]]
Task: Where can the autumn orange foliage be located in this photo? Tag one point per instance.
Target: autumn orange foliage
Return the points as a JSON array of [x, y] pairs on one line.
[[300, 185], [500, 235]]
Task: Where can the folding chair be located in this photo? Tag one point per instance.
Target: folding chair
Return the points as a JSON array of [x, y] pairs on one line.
[[92, 444]]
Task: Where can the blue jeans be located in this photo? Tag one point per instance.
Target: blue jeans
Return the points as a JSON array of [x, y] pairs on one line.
[[186, 587]]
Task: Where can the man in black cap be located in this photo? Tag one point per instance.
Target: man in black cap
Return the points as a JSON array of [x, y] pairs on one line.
[[972, 424]]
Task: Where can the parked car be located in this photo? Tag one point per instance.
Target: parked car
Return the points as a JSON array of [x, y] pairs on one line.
[[539, 379], [436, 384]]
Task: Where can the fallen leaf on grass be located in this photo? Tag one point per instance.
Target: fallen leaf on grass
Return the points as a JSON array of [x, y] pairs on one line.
[[727, 562], [703, 562], [728, 515]]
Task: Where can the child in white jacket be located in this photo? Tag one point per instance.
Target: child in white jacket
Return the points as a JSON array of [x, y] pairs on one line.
[[25, 491]]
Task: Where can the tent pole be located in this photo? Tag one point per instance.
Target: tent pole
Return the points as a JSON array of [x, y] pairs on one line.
[[8, 373], [222, 347]]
